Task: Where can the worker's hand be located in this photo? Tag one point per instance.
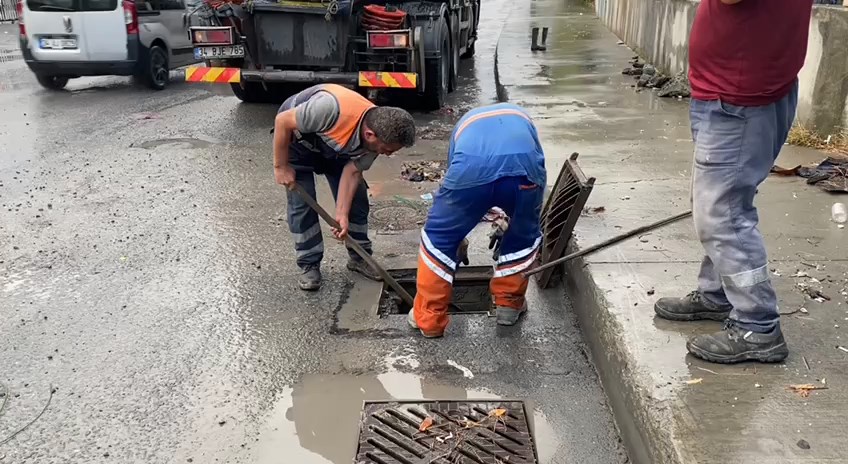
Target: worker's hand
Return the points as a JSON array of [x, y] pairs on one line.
[[341, 233], [284, 175], [462, 252]]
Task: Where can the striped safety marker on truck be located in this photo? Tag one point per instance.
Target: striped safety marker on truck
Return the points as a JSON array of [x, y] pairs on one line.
[[388, 79], [214, 75]]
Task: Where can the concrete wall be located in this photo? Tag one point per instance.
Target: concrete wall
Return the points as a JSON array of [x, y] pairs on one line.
[[659, 31]]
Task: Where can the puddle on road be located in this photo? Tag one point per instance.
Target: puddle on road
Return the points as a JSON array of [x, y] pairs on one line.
[[181, 143], [317, 421]]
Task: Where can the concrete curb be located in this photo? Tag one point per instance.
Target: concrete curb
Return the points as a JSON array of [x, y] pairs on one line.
[[644, 427]]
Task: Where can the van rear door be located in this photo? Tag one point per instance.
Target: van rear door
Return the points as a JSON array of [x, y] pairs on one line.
[[76, 30]]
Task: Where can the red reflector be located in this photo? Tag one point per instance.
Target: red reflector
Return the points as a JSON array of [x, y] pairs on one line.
[[214, 36], [388, 40]]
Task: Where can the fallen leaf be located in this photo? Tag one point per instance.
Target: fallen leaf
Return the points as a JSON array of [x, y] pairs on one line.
[[425, 424], [694, 381], [499, 412]]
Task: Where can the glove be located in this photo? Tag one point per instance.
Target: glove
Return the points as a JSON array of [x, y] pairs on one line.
[[462, 252], [499, 228]]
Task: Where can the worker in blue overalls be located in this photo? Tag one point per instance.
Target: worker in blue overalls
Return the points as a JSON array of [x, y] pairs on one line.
[[495, 160], [332, 130]]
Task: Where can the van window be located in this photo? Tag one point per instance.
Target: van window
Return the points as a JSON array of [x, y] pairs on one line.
[[72, 5]]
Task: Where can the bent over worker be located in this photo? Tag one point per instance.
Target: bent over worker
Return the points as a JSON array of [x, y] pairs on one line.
[[495, 160], [331, 130]]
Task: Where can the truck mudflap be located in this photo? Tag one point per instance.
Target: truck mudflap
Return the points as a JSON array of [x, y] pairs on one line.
[[215, 75]]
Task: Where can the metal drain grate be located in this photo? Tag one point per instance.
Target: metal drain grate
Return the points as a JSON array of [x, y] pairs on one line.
[[462, 432], [563, 208]]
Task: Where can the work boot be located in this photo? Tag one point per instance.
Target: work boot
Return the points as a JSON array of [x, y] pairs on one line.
[[361, 267], [509, 316], [692, 307], [410, 318], [734, 344], [310, 278]]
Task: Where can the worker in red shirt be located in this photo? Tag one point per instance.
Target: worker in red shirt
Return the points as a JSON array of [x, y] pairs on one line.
[[744, 59]]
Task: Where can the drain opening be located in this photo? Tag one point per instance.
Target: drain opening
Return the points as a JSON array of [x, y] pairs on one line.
[[471, 294], [472, 431]]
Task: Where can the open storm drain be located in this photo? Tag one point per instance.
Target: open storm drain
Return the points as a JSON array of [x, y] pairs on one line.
[[445, 432], [471, 293]]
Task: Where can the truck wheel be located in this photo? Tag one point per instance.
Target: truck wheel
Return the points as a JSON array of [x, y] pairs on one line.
[[437, 73], [52, 82], [250, 92], [157, 72], [454, 64]]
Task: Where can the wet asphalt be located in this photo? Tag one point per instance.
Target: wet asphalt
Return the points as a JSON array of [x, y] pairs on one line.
[[148, 291]]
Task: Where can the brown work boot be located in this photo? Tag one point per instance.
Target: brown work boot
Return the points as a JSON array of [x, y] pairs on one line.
[[509, 316], [410, 318], [361, 267]]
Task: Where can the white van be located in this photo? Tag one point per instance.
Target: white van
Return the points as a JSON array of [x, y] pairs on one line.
[[64, 39]]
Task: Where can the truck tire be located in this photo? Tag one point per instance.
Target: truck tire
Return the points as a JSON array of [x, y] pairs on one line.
[[250, 92], [453, 83], [437, 73], [470, 49], [52, 82]]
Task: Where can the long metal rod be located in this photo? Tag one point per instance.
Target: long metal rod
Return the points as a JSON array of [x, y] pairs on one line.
[[407, 298], [610, 242]]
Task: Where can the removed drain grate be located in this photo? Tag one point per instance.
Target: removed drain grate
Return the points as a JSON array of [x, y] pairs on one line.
[[563, 208], [464, 432], [471, 293]]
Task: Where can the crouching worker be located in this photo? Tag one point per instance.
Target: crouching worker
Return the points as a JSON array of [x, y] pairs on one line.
[[495, 160], [334, 131]]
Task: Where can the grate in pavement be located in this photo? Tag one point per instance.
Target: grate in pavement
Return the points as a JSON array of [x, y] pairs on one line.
[[462, 432], [563, 208]]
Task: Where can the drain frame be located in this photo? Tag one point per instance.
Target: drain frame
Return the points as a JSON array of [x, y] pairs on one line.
[[465, 276], [563, 207], [389, 432]]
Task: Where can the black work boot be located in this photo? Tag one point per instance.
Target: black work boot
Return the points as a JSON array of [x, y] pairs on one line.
[[734, 344], [361, 267], [310, 279], [692, 307]]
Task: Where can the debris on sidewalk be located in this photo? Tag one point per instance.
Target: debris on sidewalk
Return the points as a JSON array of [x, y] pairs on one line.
[[694, 381], [805, 389], [420, 171], [803, 444], [831, 175], [648, 76]]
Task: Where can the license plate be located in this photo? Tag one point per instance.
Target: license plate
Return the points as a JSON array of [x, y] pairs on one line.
[[223, 51], [58, 44]]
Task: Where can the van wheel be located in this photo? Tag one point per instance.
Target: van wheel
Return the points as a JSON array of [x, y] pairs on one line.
[[52, 82], [437, 73], [250, 92], [157, 73]]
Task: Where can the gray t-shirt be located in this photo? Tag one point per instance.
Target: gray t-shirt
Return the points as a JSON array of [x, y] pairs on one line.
[[319, 114]]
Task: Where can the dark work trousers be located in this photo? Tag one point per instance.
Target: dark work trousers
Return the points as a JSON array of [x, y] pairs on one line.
[[304, 221]]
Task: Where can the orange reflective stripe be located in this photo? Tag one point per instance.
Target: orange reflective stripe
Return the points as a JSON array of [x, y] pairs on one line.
[[509, 291], [352, 108], [432, 297], [488, 114]]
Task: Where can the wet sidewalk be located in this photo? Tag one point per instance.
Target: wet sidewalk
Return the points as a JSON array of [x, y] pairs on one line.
[[671, 407]]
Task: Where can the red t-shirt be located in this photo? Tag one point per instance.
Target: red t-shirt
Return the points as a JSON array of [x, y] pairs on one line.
[[747, 54]]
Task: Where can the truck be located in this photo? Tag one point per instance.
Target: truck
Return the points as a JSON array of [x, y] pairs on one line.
[[406, 49]]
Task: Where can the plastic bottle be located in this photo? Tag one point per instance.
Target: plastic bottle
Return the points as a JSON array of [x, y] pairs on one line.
[[838, 213]]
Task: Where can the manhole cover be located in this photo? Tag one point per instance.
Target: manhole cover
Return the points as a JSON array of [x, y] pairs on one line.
[[471, 294], [445, 432], [397, 215]]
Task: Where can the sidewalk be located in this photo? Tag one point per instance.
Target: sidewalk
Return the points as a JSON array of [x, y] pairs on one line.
[[669, 406]]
